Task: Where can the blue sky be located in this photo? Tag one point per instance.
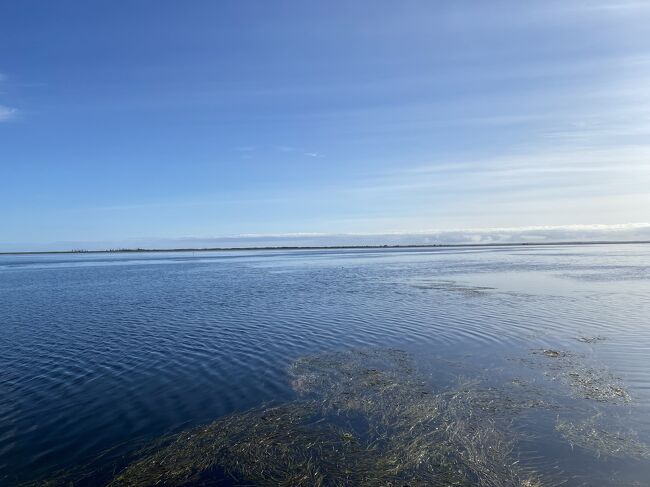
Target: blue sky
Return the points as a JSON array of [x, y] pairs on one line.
[[159, 120]]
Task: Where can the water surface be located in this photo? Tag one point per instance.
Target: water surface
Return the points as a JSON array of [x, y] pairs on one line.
[[106, 350]]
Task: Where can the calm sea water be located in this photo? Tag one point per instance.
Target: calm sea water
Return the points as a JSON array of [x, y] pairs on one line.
[[101, 350]]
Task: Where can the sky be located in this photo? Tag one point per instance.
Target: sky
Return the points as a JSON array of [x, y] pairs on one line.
[[158, 122]]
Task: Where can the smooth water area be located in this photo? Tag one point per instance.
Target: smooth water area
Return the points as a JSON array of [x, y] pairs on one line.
[[102, 351]]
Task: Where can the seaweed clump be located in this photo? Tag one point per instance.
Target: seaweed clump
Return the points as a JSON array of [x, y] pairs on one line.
[[280, 445], [594, 437], [591, 339], [587, 382], [369, 418], [362, 418], [453, 287]]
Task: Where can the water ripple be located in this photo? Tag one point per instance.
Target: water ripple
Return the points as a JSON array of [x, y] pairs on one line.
[[95, 351]]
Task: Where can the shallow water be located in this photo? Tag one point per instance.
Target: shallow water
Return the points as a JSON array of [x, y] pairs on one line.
[[112, 350]]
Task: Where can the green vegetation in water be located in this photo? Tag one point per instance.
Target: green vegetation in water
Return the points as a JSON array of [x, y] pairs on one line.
[[284, 445], [587, 382], [368, 418], [595, 437], [452, 286], [361, 418], [456, 437], [591, 339]]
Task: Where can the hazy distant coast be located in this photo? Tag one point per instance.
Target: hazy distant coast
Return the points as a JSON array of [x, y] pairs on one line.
[[322, 247]]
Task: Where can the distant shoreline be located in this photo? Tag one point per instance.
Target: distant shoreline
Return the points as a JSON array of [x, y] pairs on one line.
[[324, 247]]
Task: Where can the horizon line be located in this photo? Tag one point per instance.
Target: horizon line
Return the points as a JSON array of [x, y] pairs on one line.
[[324, 247]]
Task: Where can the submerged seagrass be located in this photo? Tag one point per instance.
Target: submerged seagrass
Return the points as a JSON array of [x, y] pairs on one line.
[[596, 437], [588, 382], [368, 417], [362, 418]]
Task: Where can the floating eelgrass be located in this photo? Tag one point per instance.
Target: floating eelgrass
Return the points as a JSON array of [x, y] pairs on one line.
[[369, 418], [591, 339], [284, 445], [597, 438], [363, 418], [587, 382], [452, 286]]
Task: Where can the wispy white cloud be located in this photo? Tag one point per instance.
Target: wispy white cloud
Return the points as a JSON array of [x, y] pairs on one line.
[[7, 113], [490, 235], [619, 6], [541, 168], [528, 234]]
